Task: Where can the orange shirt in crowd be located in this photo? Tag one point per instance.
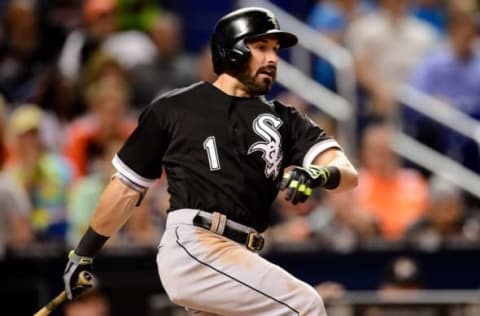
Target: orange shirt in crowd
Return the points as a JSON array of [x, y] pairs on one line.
[[82, 133], [395, 202]]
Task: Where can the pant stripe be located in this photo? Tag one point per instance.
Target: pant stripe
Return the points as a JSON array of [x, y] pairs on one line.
[[231, 277]]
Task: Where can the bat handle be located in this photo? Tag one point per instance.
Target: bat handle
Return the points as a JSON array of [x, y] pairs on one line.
[[53, 304], [85, 278], [43, 312]]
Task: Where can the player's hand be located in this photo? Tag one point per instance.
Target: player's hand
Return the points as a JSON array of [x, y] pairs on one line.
[[75, 265], [300, 181]]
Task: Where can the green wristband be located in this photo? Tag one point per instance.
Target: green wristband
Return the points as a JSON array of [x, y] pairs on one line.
[[334, 178]]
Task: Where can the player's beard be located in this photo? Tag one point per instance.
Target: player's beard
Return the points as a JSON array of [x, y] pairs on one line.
[[256, 84]]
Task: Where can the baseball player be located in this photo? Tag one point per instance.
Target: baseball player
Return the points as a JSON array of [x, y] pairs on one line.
[[224, 148]]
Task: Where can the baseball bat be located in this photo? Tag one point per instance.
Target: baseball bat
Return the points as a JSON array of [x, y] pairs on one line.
[[85, 278]]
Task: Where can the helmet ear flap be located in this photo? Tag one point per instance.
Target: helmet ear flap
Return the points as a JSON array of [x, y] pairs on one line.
[[236, 56], [236, 59], [218, 55], [230, 59]]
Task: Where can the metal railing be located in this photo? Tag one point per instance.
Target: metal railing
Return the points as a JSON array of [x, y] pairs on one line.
[[296, 81], [437, 163], [440, 111]]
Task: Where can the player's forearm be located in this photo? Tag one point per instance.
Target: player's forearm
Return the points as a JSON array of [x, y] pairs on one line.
[[114, 208], [348, 173]]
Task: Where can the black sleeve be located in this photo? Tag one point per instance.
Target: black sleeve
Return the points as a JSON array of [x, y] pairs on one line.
[[140, 158], [305, 138]]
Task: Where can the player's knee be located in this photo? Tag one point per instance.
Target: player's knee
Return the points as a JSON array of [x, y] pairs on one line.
[[313, 304], [177, 296]]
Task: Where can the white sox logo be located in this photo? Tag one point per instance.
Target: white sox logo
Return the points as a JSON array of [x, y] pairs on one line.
[[266, 126]]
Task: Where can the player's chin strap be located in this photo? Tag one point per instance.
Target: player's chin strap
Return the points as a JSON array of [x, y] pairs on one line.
[[132, 185]]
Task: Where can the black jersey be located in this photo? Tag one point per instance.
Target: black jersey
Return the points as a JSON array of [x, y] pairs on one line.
[[221, 153]]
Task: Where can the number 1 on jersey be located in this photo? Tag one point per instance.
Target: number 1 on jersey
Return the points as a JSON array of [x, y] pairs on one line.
[[211, 147]]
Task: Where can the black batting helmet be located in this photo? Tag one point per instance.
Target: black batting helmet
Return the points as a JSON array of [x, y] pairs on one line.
[[229, 51]]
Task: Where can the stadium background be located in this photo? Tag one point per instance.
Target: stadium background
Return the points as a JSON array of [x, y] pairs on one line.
[[424, 238]]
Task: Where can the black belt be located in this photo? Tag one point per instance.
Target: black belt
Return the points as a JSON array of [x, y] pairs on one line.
[[252, 240]]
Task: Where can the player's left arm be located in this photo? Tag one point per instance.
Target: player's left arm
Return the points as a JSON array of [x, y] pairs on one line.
[[330, 170]]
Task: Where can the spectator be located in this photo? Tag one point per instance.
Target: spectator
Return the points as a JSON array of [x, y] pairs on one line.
[[99, 66], [15, 228], [445, 220], [395, 196], [103, 66], [137, 14], [81, 43], [331, 221], [402, 279], [171, 68], [451, 73], [291, 222], [131, 48], [107, 119], [15, 208], [54, 94], [340, 225], [331, 18], [20, 51], [400, 275], [44, 175], [386, 44]]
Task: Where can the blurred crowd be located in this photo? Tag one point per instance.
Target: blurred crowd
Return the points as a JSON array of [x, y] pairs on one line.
[[74, 76], [431, 45]]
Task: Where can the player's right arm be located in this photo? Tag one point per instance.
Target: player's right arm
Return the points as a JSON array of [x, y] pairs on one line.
[[138, 164], [113, 210]]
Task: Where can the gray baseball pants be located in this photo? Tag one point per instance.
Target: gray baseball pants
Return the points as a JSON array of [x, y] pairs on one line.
[[212, 275]]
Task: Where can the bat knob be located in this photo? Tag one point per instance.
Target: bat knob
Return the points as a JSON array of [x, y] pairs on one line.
[[85, 278]]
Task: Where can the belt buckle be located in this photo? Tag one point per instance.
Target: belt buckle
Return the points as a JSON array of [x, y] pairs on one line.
[[255, 241]]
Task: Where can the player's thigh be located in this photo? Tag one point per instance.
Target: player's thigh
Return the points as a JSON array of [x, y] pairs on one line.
[[209, 273]]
